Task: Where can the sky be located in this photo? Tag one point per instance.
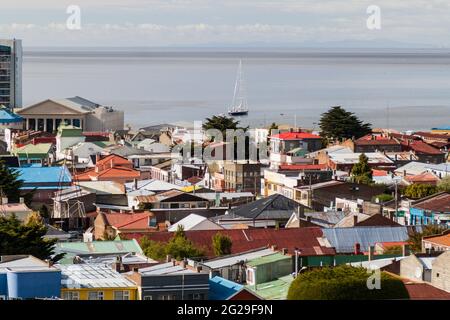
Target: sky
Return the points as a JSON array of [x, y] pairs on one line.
[[191, 23]]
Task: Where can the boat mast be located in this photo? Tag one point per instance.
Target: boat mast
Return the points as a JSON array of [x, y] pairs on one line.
[[239, 100]]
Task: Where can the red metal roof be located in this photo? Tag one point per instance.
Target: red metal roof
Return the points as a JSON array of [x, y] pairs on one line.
[[295, 136], [425, 291], [421, 147], [124, 221], [438, 203], [306, 239]]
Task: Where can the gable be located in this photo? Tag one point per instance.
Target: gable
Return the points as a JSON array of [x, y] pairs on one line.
[[184, 197], [49, 107]]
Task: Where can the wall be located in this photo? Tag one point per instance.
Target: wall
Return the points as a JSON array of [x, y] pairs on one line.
[[159, 285], [440, 276], [29, 285], [108, 293], [411, 268], [102, 120]]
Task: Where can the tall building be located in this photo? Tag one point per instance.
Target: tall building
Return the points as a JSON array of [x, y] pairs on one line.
[[11, 73]]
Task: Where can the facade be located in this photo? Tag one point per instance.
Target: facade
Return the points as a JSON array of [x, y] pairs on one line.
[[376, 143], [242, 177], [95, 282], [26, 277], [11, 73], [268, 268], [436, 243], [171, 281], [416, 268], [40, 153], [76, 111], [440, 276], [431, 210], [109, 226]]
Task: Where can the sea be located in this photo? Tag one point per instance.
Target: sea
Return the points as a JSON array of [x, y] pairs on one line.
[[402, 89]]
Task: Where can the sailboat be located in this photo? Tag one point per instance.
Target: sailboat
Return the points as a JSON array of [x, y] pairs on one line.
[[239, 105]]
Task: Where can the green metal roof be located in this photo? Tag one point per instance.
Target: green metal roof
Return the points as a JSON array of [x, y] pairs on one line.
[[65, 130], [40, 150], [268, 259], [273, 290]]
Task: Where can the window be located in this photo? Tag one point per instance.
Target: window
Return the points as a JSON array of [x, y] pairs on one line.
[[122, 295], [167, 297], [70, 295], [95, 295], [148, 298], [196, 296]]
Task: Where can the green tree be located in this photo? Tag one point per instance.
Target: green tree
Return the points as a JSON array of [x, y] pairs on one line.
[[415, 238], [337, 123], [179, 247], [273, 127], [361, 171], [344, 283], [221, 244], [25, 238], [221, 123], [444, 184], [419, 190], [43, 211], [382, 198]]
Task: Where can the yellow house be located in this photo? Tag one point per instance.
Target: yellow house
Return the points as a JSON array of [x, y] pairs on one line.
[[95, 281]]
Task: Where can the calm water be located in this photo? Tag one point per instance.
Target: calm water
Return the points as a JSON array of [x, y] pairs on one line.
[[387, 88]]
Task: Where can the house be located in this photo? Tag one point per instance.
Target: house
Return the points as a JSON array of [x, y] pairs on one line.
[[441, 170], [436, 242], [272, 290], [324, 219], [365, 220], [308, 240], [194, 222], [47, 115], [417, 267], [9, 120], [83, 154], [173, 199], [268, 268], [41, 153], [274, 210], [430, 210], [95, 249], [20, 210], [45, 181], [122, 263], [376, 143], [242, 177], [67, 137], [110, 168], [95, 282], [291, 147], [346, 161], [412, 168], [345, 239], [110, 225], [440, 275], [423, 178], [424, 151], [232, 267], [26, 277], [223, 289], [171, 281]]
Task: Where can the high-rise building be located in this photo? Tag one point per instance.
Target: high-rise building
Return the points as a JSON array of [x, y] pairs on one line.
[[11, 73]]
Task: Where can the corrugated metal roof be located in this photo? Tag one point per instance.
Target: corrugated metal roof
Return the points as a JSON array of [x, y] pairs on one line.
[[165, 269], [232, 260], [344, 239], [222, 289]]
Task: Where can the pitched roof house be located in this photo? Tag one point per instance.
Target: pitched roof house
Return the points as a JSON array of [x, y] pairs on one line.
[[112, 224]]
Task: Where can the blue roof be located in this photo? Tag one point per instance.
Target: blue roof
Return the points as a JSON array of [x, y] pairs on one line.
[[6, 116], [44, 175], [222, 289], [344, 239]]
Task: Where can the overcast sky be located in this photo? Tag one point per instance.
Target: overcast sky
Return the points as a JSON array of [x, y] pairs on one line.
[[225, 22]]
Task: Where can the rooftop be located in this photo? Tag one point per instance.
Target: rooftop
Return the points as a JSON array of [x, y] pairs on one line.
[[295, 136], [44, 174], [274, 257], [273, 290], [165, 269], [222, 289], [78, 276], [235, 259], [441, 240], [6, 116], [437, 203]]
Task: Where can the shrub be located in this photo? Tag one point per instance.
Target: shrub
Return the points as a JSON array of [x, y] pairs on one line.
[[344, 283]]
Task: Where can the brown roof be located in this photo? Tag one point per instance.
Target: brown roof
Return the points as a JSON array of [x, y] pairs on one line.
[[306, 239], [377, 220], [442, 240], [123, 221], [433, 135], [437, 203], [425, 291], [422, 147]]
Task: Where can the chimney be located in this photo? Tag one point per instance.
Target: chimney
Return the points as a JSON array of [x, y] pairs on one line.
[[183, 263], [357, 248], [199, 269], [97, 157], [405, 250], [308, 218], [355, 219], [4, 200], [284, 251], [168, 258], [301, 211], [274, 247], [135, 184], [21, 200], [49, 263], [371, 252]]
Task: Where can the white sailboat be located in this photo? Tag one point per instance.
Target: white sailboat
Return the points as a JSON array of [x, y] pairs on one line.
[[239, 105]]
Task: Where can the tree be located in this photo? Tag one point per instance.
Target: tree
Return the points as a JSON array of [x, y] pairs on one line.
[[43, 211], [382, 198], [415, 238], [179, 247], [26, 238], [273, 127], [221, 244], [10, 185], [337, 123], [419, 190], [361, 171], [221, 123], [444, 184], [344, 283]]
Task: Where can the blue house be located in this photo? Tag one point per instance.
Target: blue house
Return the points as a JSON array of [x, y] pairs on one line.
[[434, 209], [26, 277], [223, 289], [44, 180]]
